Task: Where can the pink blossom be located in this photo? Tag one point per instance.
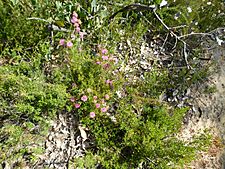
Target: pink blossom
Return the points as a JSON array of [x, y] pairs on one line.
[[95, 97], [92, 114], [62, 42], [84, 98], [98, 62], [77, 105], [75, 14], [106, 66], [104, 51], [77, 29], [105, 57], [108, 81], [69, 44], [115, 60], [74, 20], [76, 24], [72, 99], [107, 97], [104, 109], [97, 105]]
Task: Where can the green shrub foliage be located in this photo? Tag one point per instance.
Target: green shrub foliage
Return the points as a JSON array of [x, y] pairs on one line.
[[62, 56]]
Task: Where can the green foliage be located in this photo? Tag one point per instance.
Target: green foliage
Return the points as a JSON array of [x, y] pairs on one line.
[[39, 77], [31, 96]]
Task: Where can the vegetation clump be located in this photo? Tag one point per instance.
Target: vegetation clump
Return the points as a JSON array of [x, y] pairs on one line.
[[63, 57]]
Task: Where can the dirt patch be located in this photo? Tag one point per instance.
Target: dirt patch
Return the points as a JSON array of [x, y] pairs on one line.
[[208, 112]]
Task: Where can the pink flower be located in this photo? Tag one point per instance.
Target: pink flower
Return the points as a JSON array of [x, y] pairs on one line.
[[77, 105], [105, 57], [62, 42], [95, 97], [69, 44], [84, 98], [92, 114], [72, 99], [77, 29], [107, 97], [74, 20], [104, 51], [75, 14], [106, 66], [104, 109], [76, 24], [98, 62], [115, 60], [97, 105], [108, 81]]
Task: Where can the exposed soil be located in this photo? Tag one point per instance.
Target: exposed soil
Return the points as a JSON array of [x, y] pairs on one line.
[[208, 112]]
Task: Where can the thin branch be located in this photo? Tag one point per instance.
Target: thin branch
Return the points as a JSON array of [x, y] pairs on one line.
[[175, 44], [177, 37], [177, 27], [193, 33], [164, 43]]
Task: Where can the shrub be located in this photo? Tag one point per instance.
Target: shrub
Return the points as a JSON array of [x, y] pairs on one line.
[[76, 70]]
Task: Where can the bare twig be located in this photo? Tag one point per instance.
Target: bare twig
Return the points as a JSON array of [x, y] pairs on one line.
[[177, 27], [175, 44], [193, 33], [177, 37], [165, 41]]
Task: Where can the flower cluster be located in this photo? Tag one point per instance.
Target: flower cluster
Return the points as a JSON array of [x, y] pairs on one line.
[[62, 42], [106, 61], [76, 23], [106, 58], [99, 104]]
